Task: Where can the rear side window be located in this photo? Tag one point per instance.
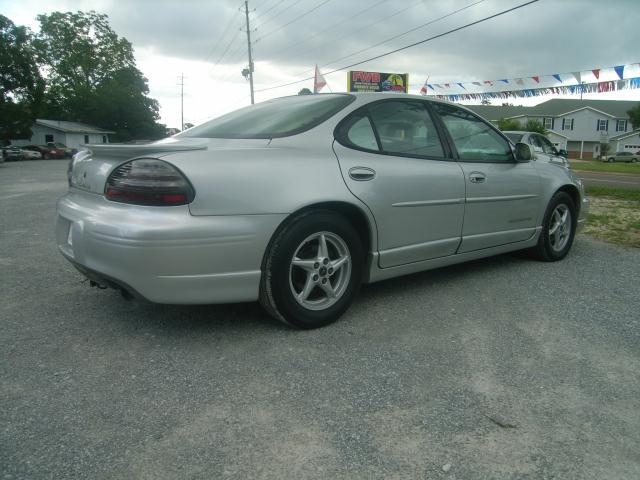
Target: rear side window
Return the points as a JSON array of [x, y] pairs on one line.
[[406, 128], [280, 117], [474, 139]]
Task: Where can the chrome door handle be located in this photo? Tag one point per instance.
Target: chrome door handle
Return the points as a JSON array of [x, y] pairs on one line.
[[361, 174], [477, 177]]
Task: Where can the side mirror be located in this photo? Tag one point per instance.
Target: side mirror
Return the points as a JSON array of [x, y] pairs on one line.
[[522, 152]]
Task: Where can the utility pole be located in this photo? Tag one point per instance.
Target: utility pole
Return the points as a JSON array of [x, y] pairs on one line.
[[181, 101], [246, 13]]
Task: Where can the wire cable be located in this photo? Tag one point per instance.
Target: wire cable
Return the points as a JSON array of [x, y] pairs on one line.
[[434, 37], [291, 21]]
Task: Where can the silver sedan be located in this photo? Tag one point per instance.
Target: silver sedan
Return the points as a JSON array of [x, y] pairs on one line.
[[297, 201]]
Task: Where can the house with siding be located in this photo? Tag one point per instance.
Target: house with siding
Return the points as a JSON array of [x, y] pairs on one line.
[[72, 134], [578, 126]]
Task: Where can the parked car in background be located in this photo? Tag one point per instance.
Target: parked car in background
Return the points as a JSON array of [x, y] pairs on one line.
[[628, 157], [541, 146], [296, 201], [30, 154], [46, 152], [69, 152], [12, 154]]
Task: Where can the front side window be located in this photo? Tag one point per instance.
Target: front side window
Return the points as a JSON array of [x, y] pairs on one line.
[[279, 117], [406, 128], [474, 139]]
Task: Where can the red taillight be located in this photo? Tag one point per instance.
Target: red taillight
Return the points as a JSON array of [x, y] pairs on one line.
[[148, 181]]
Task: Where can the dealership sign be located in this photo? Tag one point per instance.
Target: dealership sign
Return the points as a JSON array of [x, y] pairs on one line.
[[377, 82]]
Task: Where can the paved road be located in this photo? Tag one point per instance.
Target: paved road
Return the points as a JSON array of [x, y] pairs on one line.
[[610, 179], [502, 368]]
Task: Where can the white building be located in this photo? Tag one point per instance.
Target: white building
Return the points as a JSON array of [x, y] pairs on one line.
[[578, 126], [72, 134]]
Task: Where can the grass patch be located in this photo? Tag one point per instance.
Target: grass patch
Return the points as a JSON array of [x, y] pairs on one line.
[[629, 194], [614, 215], [597, 166]]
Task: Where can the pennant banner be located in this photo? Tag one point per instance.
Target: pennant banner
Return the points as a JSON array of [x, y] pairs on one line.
[[602, 76], [597, 87]]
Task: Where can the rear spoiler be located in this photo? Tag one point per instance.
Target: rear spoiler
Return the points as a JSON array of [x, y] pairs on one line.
[[144, 149]]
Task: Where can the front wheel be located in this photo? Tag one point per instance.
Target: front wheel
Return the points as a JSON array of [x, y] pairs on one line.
[[558, 229], [610, 160], [312, 270]]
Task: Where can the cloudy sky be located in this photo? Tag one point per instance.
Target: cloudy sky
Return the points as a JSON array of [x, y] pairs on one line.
[[202, 39]]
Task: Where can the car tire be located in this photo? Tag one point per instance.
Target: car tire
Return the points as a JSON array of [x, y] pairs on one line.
[[611, 160], [46, 156], [301, 270], [558, 231]]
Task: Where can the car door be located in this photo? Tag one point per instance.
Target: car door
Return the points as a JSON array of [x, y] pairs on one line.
[[393, 159], [502, 195]]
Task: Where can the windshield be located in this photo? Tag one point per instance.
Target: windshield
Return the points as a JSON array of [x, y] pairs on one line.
[[279, 117], [514, 137]]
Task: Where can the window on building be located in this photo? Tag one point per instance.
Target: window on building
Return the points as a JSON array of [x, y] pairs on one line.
[[621, 125], [86, 139], [602, 125], [567, 123], [48, 138], [548, 123]]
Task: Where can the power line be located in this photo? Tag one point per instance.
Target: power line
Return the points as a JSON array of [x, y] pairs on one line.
[[347, 19], [354, 32], [285, 9], [292, 21], [219, 41], [268, 10], [503, 12], [405, 33]]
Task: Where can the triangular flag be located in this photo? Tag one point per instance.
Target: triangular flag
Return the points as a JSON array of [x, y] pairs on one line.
[[461, 86], [477, 83], [447, 85], [488, 82], [619, 70], [504, 80], [536, 78], [557, 76], [577, 76], [519, 81], [423, 90], [430, 86], [596, 73], [319, 82], [437, 85]]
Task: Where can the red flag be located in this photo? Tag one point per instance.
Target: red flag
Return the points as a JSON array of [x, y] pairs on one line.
[[537, 79], [596, 73], [319, 82]]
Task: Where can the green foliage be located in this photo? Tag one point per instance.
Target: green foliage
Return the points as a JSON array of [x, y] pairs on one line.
[[604, 148], [305, 91], [634, 115], [92, 76], [509, 124], [535, 126], [21, 85]]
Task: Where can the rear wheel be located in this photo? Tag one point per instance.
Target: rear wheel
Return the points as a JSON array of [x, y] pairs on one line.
[[558, 229], [611, 160], [312, 270]]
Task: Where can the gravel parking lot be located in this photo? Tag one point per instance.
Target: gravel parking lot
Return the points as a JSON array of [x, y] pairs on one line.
[[502, 368]]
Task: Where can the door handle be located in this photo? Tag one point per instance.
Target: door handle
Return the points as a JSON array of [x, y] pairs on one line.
[[477, 177], [362, 174]]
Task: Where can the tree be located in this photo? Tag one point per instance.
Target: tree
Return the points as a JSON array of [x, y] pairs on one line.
[[634, 116], [188, 125], [509, 124], [485, 101], [305, 91], [21, 85], [535, 126], [92, 76]]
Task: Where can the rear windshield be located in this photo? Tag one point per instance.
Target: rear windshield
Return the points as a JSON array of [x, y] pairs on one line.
[[279, 117], [514, 137]]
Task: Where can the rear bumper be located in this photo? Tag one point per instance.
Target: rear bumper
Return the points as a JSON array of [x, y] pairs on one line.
[[164, 254]]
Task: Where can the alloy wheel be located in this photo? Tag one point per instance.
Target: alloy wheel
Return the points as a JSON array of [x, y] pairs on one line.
[[560, 227], [320, 271]]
